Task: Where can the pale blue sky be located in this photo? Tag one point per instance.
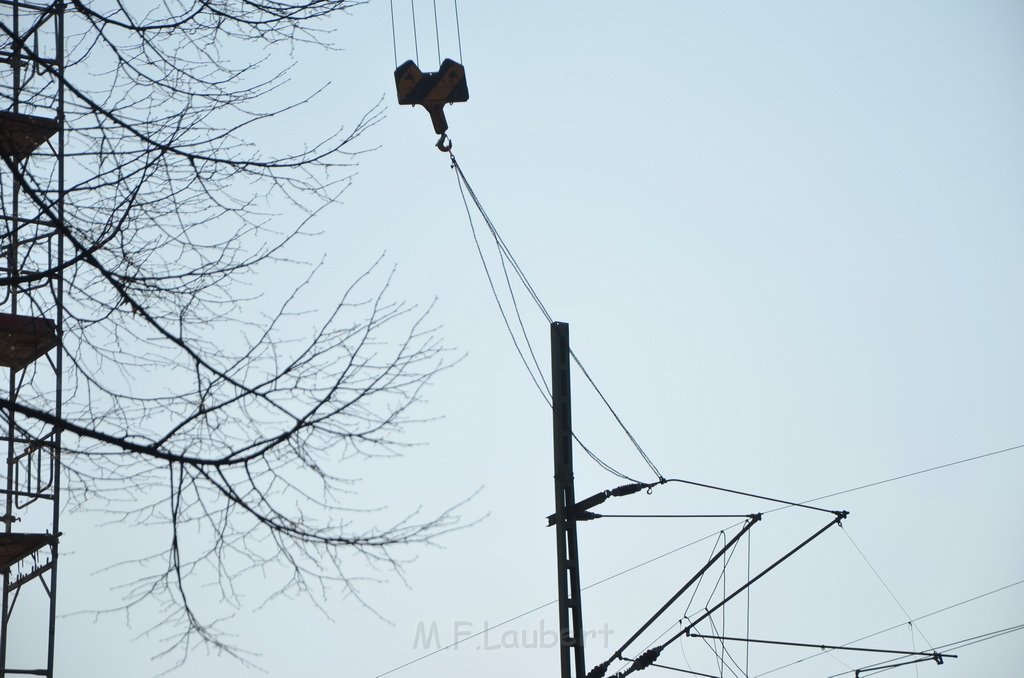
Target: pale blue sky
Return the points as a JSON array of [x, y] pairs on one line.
[[788, 238]]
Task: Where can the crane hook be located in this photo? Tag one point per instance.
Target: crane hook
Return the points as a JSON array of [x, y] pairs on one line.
[[444, 144]]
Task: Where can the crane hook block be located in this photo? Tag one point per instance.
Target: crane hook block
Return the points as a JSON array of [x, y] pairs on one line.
[[432, 90]]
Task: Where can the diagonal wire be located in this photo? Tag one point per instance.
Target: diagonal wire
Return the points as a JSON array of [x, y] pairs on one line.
[[506, 253], [725, 648], [746, 671], [988, 635], [896, 626], [538, 376], [904, 476], [551, 602], [886, 586], [545, 393], [618, 419], [601, 462]]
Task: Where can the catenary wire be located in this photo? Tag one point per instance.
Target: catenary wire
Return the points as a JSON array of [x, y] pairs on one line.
[[808, 503], [700, 582], [658, 638], [717, 553], [949, 647], [989, 635], [721, 536], [600, 462], [746, 671], [904, 476], [689, 668], [885, 585], [522, 325], [725, 649], [682, 649], [828, 648], [552, 602], [720, 657], [692, 673], [788, 504], [896, 626], [1014, 448], [760, 575]]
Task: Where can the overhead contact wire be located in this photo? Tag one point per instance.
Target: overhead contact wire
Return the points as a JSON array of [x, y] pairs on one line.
[[896, 626]]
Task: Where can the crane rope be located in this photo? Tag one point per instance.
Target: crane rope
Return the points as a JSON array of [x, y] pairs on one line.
[[415, 33], [415, 30]]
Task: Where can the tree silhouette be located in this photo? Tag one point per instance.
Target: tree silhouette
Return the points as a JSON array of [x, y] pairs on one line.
[[188, 402]]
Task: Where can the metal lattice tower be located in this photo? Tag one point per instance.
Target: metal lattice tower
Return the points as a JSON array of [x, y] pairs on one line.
[[32, 263]]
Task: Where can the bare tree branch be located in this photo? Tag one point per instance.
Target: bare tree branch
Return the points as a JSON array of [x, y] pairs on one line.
[[189, 405]]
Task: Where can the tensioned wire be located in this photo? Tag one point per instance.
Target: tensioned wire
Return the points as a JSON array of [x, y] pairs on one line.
[[415, 32], [947, 647], [901, 624], [716, 534], [888, 590], [552, 602], [538, 376], [506, 254]]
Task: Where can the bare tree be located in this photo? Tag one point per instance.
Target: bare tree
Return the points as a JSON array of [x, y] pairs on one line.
[[189, 403]]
